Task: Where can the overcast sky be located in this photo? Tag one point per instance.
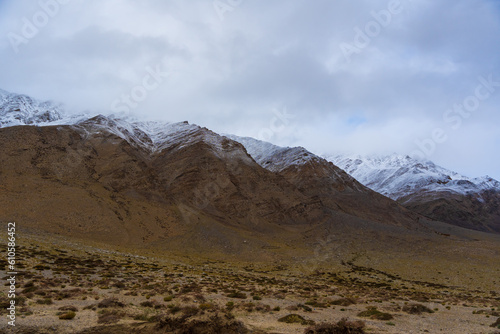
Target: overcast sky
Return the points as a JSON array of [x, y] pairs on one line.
[[416, 77]]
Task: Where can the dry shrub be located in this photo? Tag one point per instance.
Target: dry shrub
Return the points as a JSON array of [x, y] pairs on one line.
[[152, 304], [110, 302], [295, 319], [110, 317], [373, 313], [190, 311], [68, 308], [67, 316], [344, 302], [214, 324], [416, 309], [344, 326]]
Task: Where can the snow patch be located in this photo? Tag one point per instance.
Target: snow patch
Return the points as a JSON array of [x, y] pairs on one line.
[[397, 176]]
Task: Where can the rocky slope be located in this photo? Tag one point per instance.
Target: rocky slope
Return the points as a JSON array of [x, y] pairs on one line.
[[429, 189], [318, 177], [126, 226], [178, 186], [18, 109]]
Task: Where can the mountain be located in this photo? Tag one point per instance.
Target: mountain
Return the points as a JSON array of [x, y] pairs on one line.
[[181, 187], [140, 211], [429, 189], [18, 109], [318, 177]]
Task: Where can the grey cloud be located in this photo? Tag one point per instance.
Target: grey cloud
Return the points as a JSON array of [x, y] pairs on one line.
[[231, 74]]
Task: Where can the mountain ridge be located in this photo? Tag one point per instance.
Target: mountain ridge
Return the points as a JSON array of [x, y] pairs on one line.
[[428, 189], [391, 174], [181, 187], [315, 177]]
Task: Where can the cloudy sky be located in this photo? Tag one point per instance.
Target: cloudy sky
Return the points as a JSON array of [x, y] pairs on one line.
[[415, 77]]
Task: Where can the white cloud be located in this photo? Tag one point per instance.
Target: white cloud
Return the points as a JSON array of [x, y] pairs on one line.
[[230, 74]]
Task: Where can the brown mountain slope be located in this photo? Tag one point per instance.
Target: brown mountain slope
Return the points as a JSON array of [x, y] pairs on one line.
[[200, 193], [203, 197], [479, 212], [336, 189], [104, 188], [429, 189]]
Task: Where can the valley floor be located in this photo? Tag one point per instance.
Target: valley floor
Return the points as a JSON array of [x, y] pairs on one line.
[[66, 287]]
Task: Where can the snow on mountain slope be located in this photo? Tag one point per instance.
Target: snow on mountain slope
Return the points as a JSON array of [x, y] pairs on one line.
[[300, 166], [397, 176], [155, 136], [18, 109], [272, 157]]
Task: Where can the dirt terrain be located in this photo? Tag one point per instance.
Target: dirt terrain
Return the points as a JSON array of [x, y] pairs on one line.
[[69, 287], [199, 238]]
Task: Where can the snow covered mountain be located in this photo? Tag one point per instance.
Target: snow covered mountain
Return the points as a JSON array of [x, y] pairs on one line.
[[397, 176], [429, 189], [272, 157], [394, 176], [422, 187], [419, 186], [175, 184], [16, 109]]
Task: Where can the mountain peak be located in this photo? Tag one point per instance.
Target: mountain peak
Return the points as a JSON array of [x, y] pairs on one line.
[[17, 109], [397, 176], [272, 157]]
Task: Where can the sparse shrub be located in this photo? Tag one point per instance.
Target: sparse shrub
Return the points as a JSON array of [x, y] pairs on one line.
[[304, 307], [110, 302], [496, 324], [119, 285], [295, 319], [29, 284], [344, 302], [168, 298], [344, 326], [67, 316], [109, 317], [373, 313], [259, 307], [173, 309], [29, 289], [199, 298], [315, 303], [240, 295], [45, 301], [206, 306], [68, 308], [90, 307], [26, 310], [249, 307], [214, 324], [146, 316], [148, 303], [190, 311], [416, 309]]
